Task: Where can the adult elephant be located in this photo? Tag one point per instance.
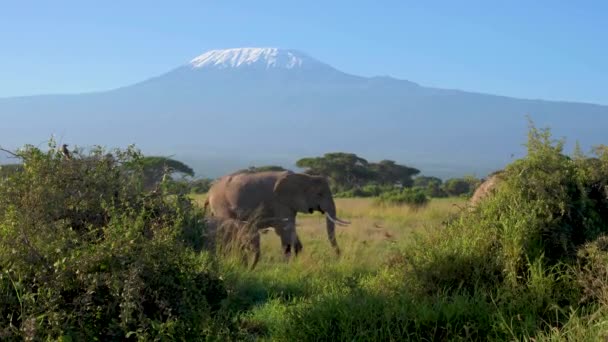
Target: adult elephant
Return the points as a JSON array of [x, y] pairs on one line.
[[273, 199]]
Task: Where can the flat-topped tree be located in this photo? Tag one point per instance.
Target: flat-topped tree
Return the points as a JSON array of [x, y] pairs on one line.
[[155, 168], [388, 172], [347, 170]]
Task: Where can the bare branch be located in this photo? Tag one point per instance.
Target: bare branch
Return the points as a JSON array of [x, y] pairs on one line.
[[15, 155]]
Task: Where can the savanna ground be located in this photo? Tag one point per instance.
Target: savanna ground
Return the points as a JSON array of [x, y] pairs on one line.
[[374, 240], [376, 232], [88, 253]]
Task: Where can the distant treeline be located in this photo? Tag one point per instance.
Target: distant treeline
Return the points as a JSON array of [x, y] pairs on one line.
[[350, 176]]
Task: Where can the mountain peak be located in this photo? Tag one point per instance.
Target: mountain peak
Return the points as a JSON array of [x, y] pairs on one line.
[[266, 58]]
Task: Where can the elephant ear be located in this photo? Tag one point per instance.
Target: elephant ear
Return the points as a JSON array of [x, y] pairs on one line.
[[289, 185]]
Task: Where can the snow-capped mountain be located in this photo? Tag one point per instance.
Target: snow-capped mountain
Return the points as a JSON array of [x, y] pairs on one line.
[[265, 58], [228, 109]]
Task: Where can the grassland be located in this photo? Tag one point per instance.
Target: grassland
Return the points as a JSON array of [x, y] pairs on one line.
[[368, 294], [375, 232], [117, 263], [270, 298]]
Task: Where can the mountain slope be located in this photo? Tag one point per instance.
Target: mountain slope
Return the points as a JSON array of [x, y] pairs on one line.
[[262, 105]]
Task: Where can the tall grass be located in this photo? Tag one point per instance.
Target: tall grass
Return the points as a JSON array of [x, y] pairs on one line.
[[525, 264], [376, 232]]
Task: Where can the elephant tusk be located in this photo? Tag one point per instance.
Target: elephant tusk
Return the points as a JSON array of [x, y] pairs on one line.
[[336, 220], [346, 223]]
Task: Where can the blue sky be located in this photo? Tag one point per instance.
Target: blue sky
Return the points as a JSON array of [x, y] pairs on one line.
[[555, 50]]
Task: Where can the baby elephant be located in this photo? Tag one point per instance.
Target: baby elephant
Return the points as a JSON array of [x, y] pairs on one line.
[[233, 236]]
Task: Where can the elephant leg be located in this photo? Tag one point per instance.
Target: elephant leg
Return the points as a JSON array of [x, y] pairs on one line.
[[285, 245], [298, 245], [289, 239], [289, 245], [255, 247]]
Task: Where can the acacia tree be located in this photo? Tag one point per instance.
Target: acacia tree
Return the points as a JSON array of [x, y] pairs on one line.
[[387, 172], [156, 168], [255, 169], [347, 170]]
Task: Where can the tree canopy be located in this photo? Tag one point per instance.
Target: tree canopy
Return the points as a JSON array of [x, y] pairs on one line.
[[347, 170], [155, 168], [389, 172], [254, 169], [424, 181]]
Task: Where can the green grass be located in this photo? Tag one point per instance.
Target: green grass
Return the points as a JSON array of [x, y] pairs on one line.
[[528, 263], [371, 293], [375, 232], [299, 299]]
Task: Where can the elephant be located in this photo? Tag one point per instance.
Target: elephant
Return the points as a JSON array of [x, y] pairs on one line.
[[228, 235], [486, 188], [273, 199]]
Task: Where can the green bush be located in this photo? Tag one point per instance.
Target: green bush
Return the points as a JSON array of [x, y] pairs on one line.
[[414, 197], [200, 186], [176, 187], [434, 191], [592, 273], [527, 263], [547, 206], [432, 186], [86, 254], [460, 186], [370, 190]]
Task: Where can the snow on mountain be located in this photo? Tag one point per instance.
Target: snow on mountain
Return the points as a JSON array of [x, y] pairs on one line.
[[253, 57]]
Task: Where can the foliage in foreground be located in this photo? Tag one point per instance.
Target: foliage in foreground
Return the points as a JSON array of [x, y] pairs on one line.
[[85, 253], [547, 206], [519, 248], [527, 263]]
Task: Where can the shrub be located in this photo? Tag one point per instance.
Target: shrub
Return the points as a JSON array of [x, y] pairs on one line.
[[9, 169], [435, 191], [547, 207], [176, 187], [414, 197], [85, 253], [200, 186], [592, 274], [370, 190], [432, 186], [460, 186]]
